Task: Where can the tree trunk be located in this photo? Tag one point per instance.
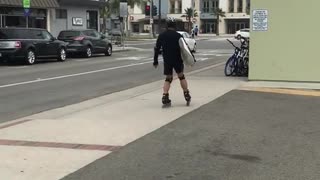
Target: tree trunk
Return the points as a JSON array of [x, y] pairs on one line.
[[217, 28], [189, 25], [104, 25]]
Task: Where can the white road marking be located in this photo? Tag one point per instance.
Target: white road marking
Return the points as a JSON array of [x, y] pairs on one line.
[[140, 44], [82, 60], [72, 75], [130, 58], [202, 59], [19, 67]]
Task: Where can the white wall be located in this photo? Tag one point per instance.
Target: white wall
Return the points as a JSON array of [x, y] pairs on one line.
[[58, 25], [137, 9], [186, 4], [224, 5]]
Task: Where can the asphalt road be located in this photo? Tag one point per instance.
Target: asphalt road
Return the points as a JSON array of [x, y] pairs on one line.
[[26, 90]]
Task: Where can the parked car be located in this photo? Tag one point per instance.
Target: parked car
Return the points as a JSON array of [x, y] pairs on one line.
[[30, 45], [86, 42], [245, 33], [190, 41]]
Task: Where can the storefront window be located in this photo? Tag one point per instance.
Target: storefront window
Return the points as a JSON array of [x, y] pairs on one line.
[[15, 17], [15, 21], [92, 20]]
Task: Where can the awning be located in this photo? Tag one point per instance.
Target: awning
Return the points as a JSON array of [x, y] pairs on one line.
[[95, 3], [33, 3]]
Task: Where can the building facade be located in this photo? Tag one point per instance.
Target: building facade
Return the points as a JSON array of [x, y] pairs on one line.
[[139, 23], [236, 12], [53, 15]]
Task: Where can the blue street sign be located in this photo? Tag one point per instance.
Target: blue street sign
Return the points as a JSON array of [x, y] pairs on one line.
[[27, 12]]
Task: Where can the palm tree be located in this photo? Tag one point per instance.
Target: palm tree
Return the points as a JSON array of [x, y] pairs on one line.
[[190, 13], [219, 13]]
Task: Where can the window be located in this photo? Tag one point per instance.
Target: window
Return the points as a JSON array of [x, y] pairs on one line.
[[92, 20], [179, 7], [35, 34], [172, 7], [215, 4], [46, 35], [61, 14], [136, 28], [231, 6], [91, 34], [206, 6], [240, 5], [69, 34], [15, 34]]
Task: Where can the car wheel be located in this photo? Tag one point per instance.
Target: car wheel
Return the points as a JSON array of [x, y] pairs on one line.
[[109, 51], [88, 53], [30, 57], [62, 56], [239, 36]]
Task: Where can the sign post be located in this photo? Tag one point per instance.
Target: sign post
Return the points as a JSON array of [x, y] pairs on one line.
[[26, 7], [123, 15]]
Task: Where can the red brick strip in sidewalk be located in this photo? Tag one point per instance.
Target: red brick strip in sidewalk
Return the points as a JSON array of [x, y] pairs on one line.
[[93, 147]]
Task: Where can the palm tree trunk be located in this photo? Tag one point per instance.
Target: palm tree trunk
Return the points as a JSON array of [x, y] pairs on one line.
[[217, 28], [104, 25]]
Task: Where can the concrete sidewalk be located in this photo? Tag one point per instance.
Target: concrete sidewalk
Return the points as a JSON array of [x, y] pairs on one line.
[[53, 144], [243, 135]]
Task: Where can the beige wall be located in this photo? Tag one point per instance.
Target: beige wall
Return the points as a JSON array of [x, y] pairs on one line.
[[288, 51]]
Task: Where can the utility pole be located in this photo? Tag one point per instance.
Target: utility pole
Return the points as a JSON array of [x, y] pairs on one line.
[[159, 19]]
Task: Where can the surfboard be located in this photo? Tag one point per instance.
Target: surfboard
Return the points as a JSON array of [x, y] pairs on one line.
[[186, 54]]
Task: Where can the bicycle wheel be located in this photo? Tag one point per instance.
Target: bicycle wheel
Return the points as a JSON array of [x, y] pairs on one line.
[[240, 69], [230, 66]]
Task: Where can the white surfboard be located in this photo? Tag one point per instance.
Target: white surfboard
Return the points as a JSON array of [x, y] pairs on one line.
[[186, 53]]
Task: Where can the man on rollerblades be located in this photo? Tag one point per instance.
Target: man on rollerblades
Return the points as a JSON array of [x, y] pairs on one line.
[[168, 41]]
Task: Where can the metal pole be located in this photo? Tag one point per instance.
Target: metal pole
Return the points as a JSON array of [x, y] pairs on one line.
[[27, 21], [159, 19], [151, 19]]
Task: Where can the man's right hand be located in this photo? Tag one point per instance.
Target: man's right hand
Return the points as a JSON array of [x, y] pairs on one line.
[[155, 64]]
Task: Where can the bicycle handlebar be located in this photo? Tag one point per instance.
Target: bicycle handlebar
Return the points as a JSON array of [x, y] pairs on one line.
[[231, 43]]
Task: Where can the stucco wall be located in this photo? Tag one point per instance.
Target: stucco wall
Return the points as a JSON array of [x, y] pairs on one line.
[[288, 50]]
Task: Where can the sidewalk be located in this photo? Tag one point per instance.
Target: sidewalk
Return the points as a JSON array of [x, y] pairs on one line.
[[224, 134]]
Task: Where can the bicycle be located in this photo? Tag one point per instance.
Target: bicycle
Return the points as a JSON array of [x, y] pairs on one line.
[[238, 63]]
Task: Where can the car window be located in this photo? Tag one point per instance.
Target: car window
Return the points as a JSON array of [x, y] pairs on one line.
[[69, 34], [91, 33], [15, 34], [46, 35], [35, 34]]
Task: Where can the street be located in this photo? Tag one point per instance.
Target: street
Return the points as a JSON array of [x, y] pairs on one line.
[[26, 90]]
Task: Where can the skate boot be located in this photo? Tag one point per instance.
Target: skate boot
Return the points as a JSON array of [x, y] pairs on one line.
[[187, 97], [166, 102]]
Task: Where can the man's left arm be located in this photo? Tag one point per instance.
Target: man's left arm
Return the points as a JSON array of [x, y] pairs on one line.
[[157, 52]]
